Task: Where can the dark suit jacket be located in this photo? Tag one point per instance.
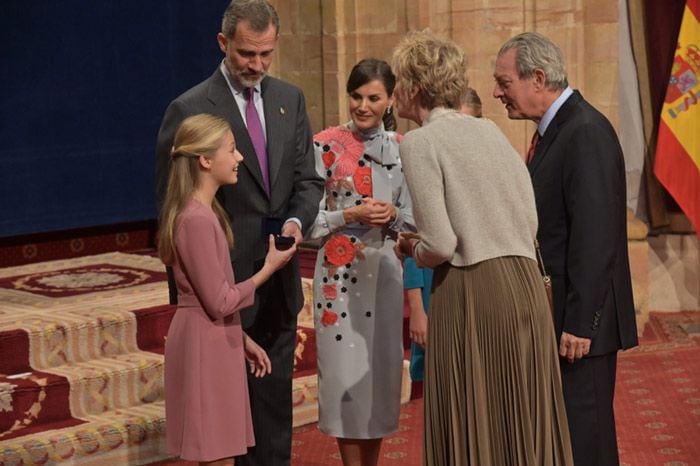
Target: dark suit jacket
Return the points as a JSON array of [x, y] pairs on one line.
[[295, 189], [578, 174]]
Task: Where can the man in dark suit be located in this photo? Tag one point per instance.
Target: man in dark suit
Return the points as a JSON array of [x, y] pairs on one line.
[[578, 175], [278, 191]]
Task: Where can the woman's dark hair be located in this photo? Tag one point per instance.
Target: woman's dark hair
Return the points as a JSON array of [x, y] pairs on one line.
[[371, 69]]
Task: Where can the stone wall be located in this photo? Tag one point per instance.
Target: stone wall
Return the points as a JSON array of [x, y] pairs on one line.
[[320, 41]]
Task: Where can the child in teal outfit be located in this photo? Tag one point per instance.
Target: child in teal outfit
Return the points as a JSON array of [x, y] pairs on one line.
[[417, 282]]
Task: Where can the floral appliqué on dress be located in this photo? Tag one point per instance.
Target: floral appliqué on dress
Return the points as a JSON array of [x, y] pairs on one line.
[[348, 179], [347, 172]]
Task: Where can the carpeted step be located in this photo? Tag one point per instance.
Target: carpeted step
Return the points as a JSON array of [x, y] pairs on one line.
[[74, 386], [133, 436], [153, 324], [69, 337], [67, 312], [33, 402], [14, 348], [112, 383], [73, 392]]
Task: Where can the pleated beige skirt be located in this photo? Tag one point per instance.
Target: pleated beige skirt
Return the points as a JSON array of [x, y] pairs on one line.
[[492, 385]]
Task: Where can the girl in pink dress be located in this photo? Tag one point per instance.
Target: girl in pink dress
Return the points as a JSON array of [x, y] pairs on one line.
[[206, 391]]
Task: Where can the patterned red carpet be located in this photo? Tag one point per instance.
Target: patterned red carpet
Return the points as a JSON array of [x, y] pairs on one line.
[[658, 393], [76, 387], [657, 406], [81, 384]]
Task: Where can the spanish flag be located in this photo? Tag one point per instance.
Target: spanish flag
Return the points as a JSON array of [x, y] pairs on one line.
[[677, 163]]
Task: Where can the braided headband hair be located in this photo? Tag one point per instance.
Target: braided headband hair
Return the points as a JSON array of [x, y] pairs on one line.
[[175, 153]]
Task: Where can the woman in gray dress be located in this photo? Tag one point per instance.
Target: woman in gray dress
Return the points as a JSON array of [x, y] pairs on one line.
[[492, 384], [358, 289]]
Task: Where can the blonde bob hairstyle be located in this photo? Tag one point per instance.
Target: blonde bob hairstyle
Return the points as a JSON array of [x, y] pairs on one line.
[[437, 67], [198, 135]]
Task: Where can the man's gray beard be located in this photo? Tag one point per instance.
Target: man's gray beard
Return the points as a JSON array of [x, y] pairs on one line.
[[239, 78], [245, 82]]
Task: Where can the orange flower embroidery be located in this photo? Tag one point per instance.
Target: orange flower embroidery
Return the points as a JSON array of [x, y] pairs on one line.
[[328, 159], [363, 180], [342, 147], [340, 250], [329, 318], [330, 292]]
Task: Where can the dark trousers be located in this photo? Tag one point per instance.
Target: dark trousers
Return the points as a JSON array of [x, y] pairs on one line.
[[589, 389], [271, 396]]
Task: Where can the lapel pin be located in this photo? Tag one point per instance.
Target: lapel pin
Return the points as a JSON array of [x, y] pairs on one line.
[[282, 110]]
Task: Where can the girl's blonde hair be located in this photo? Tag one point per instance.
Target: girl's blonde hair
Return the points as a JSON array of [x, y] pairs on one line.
[[437, 67], [198, 135]]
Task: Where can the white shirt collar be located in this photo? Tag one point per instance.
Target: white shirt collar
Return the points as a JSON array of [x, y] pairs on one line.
[[553, 109]]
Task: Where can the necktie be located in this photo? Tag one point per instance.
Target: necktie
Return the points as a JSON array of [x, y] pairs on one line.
[[257, 136], [533, 144]]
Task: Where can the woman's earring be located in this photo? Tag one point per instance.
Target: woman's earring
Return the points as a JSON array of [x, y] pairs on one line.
[[388, 110]]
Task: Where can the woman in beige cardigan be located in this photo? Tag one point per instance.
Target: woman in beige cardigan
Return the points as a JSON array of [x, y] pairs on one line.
[[493, 389]]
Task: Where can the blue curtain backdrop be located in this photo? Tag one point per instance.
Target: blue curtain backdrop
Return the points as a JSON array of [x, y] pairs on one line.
[[83, 87]]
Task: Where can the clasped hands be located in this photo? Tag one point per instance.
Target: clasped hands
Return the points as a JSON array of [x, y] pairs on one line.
[[371, 212]]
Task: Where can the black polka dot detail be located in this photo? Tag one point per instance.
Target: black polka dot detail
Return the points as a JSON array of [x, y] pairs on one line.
[[353, 279], [326, 148], [343, 315], [368, 314], [338, 337]]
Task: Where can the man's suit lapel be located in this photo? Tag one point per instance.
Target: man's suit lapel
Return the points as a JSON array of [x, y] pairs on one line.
[[552, 130], [275, 114], [220, 95]]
